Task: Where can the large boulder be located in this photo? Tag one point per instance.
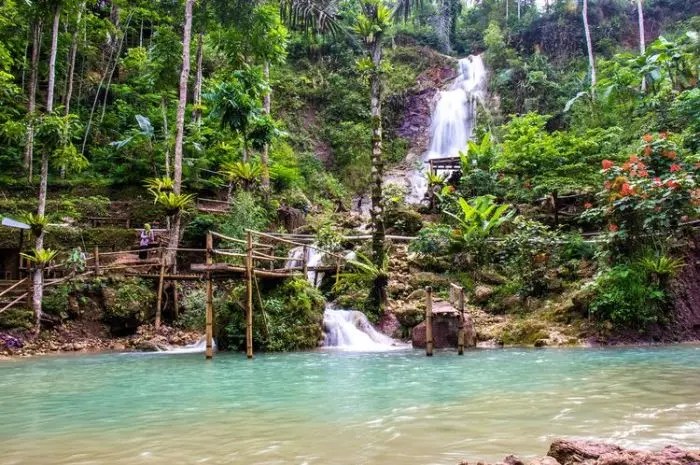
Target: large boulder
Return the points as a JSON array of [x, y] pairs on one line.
[[575, 452]]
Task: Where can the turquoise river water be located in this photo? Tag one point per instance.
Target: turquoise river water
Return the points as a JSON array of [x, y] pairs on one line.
[[339, 408]]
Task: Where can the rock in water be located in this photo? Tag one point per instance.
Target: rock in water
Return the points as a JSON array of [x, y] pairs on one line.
[[571, 452]]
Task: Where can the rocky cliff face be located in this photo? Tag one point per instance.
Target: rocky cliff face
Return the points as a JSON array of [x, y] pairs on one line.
[[686, 296]]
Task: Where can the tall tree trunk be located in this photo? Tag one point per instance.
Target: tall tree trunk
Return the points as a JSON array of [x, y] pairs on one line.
[[43, 186], [166, 135], [518, 1], [589, 45], [197, 113], [507, 6], [264, 158], [31, 107], [73, 55], [642, 38], [377, 171], [180, 125], [182, 101]]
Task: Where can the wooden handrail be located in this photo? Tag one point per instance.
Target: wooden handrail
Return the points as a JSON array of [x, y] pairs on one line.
[[13, 286], [8, 306]]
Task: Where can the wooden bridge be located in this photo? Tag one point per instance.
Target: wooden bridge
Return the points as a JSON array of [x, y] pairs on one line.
[[259, 256]]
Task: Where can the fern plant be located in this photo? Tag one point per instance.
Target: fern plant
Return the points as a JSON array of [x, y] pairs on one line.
[[162, 184], [242, 173], [37, 223], [40, 257], [173, 203], [480, 216]]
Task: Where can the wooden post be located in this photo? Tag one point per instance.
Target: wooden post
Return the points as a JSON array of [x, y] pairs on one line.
[[429, 321], [161, 279], [176, 304], [249, 299], [305, 268], [460, 333], [97, 260], [30, 287], [210, 301], [337, 270]]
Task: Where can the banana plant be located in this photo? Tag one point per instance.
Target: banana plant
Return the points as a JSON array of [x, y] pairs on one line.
[[481, 216]]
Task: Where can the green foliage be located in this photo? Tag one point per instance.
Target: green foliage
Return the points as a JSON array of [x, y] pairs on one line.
[[480, 217], [194, 302], [531, 250], [243, 174], [173, 203], [40, 257], [128, 304], [625, 296], [246, 213], [290, 318]]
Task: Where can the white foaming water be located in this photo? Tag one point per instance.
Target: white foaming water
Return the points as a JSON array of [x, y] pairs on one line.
[[312, 259], [349, 330], [198, 347], [454, 119]]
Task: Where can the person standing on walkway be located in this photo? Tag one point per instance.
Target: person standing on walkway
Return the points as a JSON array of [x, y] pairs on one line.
[[145, 240]]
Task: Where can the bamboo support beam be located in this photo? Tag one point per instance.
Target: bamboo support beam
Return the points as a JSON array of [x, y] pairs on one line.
[[209, 353], [460, 333], [161, 279], [429, 321], [97, 261], [249, 298]]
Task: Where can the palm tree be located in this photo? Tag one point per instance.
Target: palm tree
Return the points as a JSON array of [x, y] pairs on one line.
[[589, 45]]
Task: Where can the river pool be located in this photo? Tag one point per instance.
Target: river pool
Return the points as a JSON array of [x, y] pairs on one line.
[[340, 408]]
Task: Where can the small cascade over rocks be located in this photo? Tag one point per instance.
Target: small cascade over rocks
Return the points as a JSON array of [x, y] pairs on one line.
[[453, 120], [350, 330], [347, 330]]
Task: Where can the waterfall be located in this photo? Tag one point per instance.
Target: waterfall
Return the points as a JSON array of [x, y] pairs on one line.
[[313, 258], [350, 330], [453, 120]]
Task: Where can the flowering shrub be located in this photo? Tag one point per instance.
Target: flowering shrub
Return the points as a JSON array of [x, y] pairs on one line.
[[649, 194]]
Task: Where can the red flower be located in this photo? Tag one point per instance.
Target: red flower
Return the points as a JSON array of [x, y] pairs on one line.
[[607, 164], [642, 173], [675, 167], [587, 205], [663, 135], [626, 190], [657, 182], [607, 185], [648, 138], [670, 154], [647, 150], [612, 227], [672, 184], [634, 158]]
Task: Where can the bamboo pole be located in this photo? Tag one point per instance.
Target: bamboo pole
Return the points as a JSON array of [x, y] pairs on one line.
[[97, 260], [304, 265], [429, 321], [460, 333], [249, 299], [209, 353], [161, 279]]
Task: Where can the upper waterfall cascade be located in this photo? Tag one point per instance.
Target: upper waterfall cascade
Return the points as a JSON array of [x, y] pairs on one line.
[[454, 118]]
